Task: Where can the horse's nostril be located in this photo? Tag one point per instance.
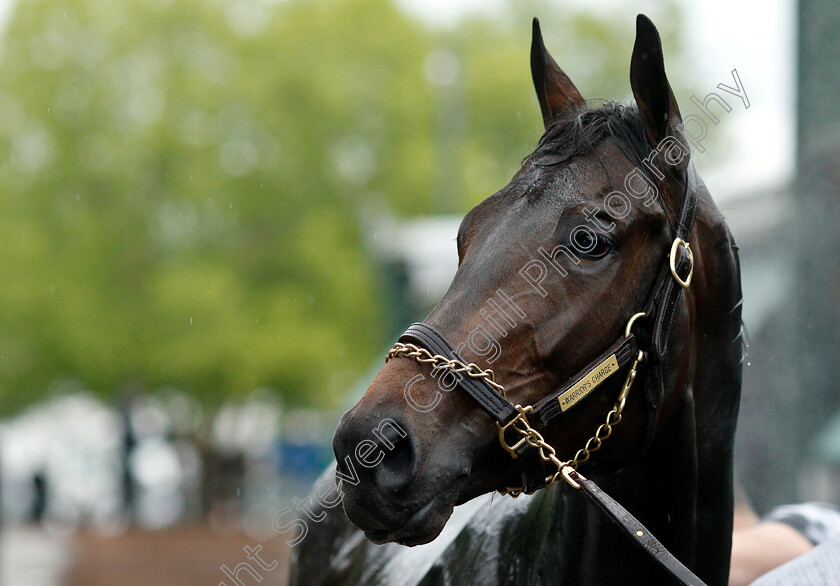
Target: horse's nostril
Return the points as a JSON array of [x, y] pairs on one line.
[[398, 468], [379, 452]]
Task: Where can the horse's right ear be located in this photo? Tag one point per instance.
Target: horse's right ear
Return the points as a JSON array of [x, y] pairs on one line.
[[653, 94], [555, 91]]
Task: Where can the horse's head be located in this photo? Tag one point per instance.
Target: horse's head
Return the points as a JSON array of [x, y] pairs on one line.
[[551, 269]]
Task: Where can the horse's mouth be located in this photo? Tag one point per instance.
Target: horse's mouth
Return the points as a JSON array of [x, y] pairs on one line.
[[423, 526], [384, 521]]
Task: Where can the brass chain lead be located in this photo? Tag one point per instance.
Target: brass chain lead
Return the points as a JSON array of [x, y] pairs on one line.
[[439, 362], [520, 424], [604, 430]]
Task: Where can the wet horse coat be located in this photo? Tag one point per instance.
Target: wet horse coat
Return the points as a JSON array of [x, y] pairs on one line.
[[669, 462]]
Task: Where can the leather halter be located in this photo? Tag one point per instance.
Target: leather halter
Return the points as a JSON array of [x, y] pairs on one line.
[[661, 307]]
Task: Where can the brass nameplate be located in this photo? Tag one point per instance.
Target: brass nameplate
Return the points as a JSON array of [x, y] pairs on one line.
[[588, 383]]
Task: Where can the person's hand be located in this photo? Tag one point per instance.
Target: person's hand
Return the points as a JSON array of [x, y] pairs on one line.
[[760, 548]]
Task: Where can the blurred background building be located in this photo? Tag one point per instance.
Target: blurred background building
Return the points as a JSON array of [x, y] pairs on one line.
[[216, 216]]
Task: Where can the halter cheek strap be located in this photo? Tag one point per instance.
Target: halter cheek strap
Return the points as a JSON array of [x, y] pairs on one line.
[[681, 266]]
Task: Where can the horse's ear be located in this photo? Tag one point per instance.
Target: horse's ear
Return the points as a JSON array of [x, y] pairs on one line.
[[555, 90], [651, 89]]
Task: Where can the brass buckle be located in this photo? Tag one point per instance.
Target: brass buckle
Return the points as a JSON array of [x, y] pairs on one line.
[[524, 429], [672, 260]]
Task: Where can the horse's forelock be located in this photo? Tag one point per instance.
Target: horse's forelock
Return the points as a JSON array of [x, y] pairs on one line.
[[580, 132]]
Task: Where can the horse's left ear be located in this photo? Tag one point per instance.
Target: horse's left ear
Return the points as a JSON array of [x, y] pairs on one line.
[[651, 89], [555, 91]]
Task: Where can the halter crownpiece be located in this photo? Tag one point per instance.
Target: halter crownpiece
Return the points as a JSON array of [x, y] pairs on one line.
[[423, 343]]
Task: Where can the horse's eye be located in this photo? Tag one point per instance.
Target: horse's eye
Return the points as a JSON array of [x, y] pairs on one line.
[[590, 244]]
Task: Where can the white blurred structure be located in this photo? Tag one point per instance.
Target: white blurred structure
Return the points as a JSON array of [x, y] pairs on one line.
[[426, 246], [72, 444], [74, 462]]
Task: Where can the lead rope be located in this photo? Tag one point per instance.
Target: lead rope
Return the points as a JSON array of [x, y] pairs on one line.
[[567, 469]]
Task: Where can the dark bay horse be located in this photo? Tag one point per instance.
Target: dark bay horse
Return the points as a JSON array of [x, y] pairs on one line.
[[552, 269]]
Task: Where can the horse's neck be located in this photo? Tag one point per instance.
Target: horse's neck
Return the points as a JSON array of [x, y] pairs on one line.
[[659, 490]]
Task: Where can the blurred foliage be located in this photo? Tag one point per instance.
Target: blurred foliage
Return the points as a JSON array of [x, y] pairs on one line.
[[182, 183]]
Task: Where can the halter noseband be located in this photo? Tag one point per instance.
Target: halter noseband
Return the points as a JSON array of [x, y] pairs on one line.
[[425, 344]]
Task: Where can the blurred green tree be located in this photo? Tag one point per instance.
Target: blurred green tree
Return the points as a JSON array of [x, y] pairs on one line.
[[181, 182]]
